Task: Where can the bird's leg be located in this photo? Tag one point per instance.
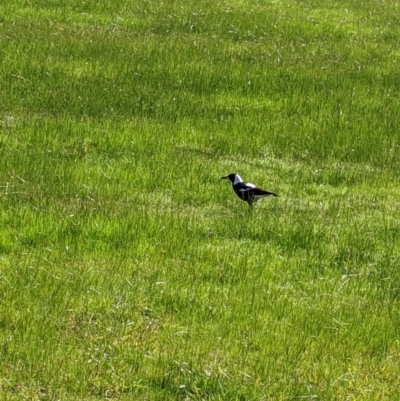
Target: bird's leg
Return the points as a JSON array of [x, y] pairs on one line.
[[251, 210], [250, 200]]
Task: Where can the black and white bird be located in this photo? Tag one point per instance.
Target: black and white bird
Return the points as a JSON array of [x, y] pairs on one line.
[[246, 191]]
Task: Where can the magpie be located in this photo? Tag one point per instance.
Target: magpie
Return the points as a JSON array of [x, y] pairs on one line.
[[246, 191]]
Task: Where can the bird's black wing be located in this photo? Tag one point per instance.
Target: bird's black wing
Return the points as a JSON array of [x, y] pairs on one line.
[[243, 187]]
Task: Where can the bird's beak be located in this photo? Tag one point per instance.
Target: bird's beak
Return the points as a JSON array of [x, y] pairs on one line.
[[224, 178]]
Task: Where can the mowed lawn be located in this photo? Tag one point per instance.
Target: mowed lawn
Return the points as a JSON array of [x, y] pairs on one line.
[[129, 270]]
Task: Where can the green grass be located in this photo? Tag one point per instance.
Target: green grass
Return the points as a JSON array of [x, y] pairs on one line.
[[128, 270]]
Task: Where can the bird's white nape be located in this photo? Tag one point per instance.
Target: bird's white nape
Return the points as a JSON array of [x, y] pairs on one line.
[[237, 179]]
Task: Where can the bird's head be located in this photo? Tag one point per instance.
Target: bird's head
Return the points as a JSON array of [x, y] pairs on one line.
[[233, 178]]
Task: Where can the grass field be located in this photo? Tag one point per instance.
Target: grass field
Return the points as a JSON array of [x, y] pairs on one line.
[[128, 270]]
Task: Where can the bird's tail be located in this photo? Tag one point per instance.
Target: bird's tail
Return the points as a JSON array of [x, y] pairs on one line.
[[260, 193]]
